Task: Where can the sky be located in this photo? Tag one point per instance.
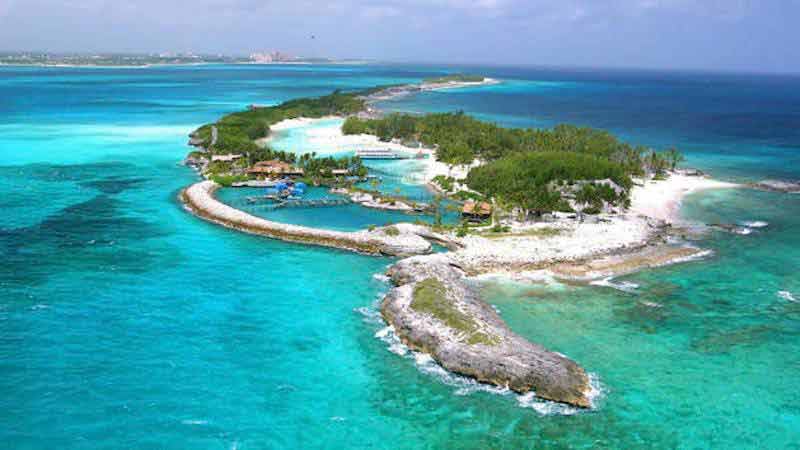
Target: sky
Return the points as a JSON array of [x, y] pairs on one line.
[[728, 35]]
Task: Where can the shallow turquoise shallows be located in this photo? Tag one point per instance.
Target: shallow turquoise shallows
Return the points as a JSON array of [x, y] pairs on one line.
[[127, 323]]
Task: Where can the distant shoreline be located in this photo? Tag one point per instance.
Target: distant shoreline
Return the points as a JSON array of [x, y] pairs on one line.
[[146, 66]]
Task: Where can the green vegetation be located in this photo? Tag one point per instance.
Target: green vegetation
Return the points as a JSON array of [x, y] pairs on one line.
[[446, 183], [567, 168], [534, 181], [459, 77], [238, 132], [392, 231], [228, 180], [430, 297], [382, 197], [536, 170]]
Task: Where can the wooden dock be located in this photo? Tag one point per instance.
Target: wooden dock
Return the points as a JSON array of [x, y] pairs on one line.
[[273, 202]]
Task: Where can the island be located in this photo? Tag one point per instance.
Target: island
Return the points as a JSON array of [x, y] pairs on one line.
[[573, 202]]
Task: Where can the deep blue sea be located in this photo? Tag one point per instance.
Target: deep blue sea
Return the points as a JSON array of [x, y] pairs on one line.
[[127, 323]]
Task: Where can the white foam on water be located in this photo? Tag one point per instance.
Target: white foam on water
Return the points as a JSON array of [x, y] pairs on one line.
[[467, 386], [380, 277], [194, 422], [652, 304], [786, 295], [744, 231], [695, 257], [755, 224], [549, 408], [371, 314], [624, 286], [338, 419]]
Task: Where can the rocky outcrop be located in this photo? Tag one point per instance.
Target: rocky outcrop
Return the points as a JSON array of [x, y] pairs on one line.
[[196, 161], [392, 241], [435, 310], [789, 187]]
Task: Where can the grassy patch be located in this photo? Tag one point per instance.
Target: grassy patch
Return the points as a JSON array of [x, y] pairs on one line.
[[430, 298], [228, 180], [391, 231]]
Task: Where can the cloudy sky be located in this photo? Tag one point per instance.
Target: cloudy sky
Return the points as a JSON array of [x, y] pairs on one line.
[[748, 35]]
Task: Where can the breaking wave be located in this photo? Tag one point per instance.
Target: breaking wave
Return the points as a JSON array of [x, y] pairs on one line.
[[755, 224], [624, 286], [466, 386]]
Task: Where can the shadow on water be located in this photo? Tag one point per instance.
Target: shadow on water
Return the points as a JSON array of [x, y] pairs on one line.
[[90, 236], [95, 235], [114, 185]]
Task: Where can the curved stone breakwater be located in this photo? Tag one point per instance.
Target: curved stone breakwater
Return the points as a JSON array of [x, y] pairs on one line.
[[433, 309], [393, 241]]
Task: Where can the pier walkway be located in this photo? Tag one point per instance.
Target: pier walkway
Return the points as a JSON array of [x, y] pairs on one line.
[[270, 202]]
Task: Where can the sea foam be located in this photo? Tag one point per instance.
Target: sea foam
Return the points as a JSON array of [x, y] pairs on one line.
[[624, 286], [755, 224], [467, 386], [786, 295]]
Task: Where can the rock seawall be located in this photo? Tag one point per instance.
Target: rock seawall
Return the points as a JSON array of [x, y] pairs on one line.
[[433, 309], [400, 241]]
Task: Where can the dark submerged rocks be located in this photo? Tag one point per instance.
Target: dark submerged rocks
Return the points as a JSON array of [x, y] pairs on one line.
[[788, 187]]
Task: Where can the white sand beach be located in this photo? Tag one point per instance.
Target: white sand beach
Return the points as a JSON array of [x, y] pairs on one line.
[[590, 250], [661, 199], [330, 140]]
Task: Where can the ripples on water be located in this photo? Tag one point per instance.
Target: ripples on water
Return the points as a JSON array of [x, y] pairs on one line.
[[127, 323]]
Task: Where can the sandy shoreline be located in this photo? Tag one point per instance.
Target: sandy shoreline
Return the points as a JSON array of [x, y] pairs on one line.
[[331, 137], [661, 199]]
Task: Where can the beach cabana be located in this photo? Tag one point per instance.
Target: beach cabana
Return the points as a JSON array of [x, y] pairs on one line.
[[274, 168]]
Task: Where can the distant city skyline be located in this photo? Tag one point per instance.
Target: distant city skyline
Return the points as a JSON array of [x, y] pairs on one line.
[[726, 35]]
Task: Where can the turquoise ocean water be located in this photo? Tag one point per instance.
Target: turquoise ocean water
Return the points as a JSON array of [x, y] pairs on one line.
[[127, 323]]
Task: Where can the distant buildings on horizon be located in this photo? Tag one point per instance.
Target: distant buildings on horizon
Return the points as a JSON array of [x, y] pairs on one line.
[[166, 57], [271, 57]]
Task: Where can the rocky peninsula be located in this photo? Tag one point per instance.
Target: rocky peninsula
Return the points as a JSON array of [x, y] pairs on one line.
[[434, 310]]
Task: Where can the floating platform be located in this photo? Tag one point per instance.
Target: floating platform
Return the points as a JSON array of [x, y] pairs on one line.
[[380, 153]]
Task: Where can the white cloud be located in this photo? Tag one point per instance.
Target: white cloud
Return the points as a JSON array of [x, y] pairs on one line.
[[379, 12]]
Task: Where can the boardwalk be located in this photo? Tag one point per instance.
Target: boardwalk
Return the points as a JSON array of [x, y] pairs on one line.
[[270, 202]]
